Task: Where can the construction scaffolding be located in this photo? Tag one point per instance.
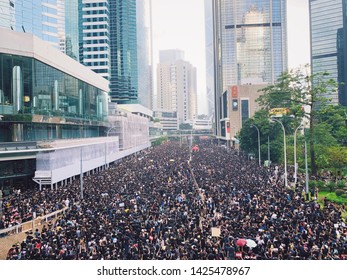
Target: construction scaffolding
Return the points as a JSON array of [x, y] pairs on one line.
[[132, 130]]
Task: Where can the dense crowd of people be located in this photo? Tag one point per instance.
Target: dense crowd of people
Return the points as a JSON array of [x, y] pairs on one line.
[[169, 203]]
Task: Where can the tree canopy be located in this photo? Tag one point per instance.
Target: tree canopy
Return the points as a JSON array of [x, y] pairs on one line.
[[306, 97]]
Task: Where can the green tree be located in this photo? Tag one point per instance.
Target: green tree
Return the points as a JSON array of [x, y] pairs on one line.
[[296, 90], [336, 117], [338, 157], [249, 137]]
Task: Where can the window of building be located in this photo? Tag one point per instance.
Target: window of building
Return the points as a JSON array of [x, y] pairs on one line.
[[244, 110]]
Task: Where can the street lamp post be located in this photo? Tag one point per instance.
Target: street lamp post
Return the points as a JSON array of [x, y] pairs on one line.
[[295, 163], [81, 174], [306, 171], [191, 145], [285, 151], [268, 149], [259, 159]]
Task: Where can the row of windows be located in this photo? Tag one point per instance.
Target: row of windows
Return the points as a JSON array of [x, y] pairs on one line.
[[96, 49], [101, 63], [101, 4], [95, 19], [96, 26], [95, 12], [96, 34], [95, 56], [102, 41]]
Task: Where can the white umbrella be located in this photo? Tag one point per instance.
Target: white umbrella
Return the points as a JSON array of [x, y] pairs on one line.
[[251, 243]]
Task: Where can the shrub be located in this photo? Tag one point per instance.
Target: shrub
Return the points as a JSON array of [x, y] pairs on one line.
[[344, 195], [340, 192], [341, 184], [320, 185], [331, 186], [312, 184]]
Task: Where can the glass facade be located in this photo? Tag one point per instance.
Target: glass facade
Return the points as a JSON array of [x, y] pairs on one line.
[[209, 56], [253, 41], [326, 19], [39, 102], [72, 28], [96, 43], [143, 53], [328, 40], [244, 110], [250, 44], [43, 18], [123, 43]]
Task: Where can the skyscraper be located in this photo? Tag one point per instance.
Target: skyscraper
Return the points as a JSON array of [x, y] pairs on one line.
[[209, 57], [96, 37], [43, 18], [250, 48], [73, 30], [123, 47], [144, 48], [328, 43], [100, 34], [176, 85]]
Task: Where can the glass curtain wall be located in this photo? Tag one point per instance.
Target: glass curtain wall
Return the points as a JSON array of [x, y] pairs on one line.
[[254, 41], [123, 44], [40, 102]]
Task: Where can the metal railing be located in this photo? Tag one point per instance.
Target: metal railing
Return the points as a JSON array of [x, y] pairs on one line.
[[30, 225]]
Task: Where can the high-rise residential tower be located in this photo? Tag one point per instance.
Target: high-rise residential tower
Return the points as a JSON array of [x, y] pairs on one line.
[[328, 43], [176, 85], [250, 49]]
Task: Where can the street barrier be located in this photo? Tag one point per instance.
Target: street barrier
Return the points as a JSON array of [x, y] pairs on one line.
[[30, 225]]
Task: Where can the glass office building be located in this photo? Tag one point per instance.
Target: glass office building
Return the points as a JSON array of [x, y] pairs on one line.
[[73, 32], [144, 47], [250, 47], [209, 56], [46, 95], [43, 18], [95, 34], [252, 35], [328, 40], [123, 43]]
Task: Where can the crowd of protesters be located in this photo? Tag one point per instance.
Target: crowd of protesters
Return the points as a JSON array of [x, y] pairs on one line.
[[165, 202]]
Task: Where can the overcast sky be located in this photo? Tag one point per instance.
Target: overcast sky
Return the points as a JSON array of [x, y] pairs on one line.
[[179, 24]]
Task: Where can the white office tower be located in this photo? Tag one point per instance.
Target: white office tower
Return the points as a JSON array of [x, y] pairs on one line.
[[176, 85], [96, 49]]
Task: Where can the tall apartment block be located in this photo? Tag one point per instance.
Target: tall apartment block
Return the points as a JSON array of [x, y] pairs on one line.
[[176, 85], [250, 50], [328, 43]]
